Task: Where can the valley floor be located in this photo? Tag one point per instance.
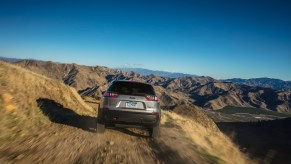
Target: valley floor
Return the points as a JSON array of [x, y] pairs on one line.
[[269, 141]]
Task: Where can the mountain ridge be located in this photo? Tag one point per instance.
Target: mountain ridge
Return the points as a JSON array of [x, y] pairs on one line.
[[263, 82], [203, 92], [145, 71]]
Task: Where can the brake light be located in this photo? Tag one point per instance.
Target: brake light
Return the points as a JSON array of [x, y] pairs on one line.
[[111, 95], [105, 109], [152, 98], [156, 113]]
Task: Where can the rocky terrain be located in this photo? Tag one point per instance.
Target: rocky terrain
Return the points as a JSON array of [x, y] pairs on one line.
[[42, 120], [202, 92]]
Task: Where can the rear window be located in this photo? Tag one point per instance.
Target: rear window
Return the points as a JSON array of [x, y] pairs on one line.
[[131, 88]]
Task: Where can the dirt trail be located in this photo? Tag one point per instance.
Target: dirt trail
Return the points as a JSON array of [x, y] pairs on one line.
[[62, 143]]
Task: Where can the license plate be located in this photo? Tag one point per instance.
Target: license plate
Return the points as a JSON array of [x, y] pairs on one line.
[[131, 104]]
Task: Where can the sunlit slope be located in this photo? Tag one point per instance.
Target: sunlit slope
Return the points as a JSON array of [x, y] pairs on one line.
[[22, 92], [205, 134]]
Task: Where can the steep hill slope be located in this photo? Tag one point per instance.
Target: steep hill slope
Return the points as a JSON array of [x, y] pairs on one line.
[[21, 92], [45, 121]]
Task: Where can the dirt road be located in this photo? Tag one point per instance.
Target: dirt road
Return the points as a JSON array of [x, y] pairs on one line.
[[63, 143]]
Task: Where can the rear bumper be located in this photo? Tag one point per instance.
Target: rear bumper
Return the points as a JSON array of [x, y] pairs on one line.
[[112, 117]]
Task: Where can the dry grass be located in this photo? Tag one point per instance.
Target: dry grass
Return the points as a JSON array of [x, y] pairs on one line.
[[20, 115], [207, 138], [19, 91]]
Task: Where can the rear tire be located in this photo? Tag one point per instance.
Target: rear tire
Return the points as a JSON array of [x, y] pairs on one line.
[[100, 128], [155, 131]]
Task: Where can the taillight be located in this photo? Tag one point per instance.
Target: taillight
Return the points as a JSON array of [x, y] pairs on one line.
[[155, 113], [105, 109], [111, 95], [151, 98]]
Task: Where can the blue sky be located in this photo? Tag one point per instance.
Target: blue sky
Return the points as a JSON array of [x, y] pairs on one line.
[[222, 39]]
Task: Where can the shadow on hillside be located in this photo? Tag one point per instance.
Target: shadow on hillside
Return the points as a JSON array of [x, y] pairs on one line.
[[268, 140], [58, 114]]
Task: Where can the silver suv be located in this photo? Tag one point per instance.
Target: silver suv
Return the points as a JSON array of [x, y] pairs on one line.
[[130, 104]]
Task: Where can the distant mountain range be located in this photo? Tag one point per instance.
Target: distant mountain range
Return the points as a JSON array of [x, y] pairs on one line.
[[260, 82], [12, 60], [144, 71], [263, 82]]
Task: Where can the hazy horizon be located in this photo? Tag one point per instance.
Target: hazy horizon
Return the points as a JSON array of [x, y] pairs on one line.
[[225, 39], [124, 66]]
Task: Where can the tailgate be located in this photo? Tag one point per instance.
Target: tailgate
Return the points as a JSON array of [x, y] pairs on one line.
[[127, 104]]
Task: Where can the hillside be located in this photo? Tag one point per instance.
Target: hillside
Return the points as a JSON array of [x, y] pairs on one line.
[[218, 95], [46, 121], [203, 92], [264, 82], [268, 140], [22, 92]]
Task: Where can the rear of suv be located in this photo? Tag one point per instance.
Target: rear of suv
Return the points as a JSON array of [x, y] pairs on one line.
[[130, 104]]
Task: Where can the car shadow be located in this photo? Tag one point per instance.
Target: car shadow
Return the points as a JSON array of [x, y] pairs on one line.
[[61, 115], [57, 113]]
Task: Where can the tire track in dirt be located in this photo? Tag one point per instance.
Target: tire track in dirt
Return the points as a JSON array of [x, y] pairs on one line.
[[75, 144]]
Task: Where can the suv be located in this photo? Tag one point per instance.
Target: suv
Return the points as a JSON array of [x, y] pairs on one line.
[[130, 104]]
